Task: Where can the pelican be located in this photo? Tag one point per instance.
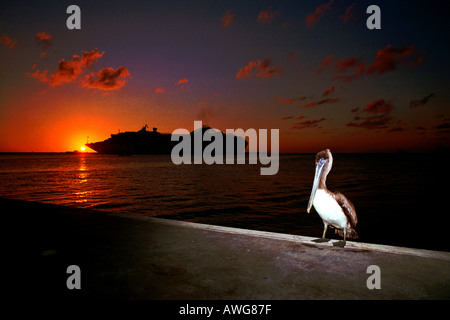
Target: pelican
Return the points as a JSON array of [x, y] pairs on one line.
[[333, 207]]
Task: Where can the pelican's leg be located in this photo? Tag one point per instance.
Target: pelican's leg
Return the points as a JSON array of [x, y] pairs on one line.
[[323, 239], [341, 243]]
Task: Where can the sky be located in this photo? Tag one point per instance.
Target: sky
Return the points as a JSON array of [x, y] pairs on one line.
[[311, 69]]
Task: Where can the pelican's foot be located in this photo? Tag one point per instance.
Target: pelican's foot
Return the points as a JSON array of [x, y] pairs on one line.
[[340, 244], [320, 240]]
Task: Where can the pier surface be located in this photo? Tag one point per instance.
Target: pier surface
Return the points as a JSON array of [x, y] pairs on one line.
[[133, 257]]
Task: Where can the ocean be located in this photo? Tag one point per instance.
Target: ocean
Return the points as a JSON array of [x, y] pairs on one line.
[[400, 199]]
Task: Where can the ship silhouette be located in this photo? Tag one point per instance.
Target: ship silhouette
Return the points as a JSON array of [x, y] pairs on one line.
[[153, 142]]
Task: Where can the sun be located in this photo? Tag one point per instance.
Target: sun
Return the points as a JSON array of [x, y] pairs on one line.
[[83, 148]]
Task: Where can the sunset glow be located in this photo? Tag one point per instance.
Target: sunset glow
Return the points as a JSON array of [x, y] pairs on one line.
[[310, 69]]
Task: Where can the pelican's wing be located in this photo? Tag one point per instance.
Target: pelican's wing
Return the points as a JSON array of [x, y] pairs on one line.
[[347, 207]]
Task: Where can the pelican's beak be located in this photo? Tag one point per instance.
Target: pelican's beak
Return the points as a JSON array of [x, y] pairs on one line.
[[319, 171]]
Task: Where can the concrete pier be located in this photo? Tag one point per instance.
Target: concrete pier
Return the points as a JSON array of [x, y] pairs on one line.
[[133, 257]]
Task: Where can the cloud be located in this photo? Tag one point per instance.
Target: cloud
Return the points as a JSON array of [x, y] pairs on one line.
[[312, 104], [389, 58], [267, 16], [183, 84], [292, 100], [160, 90], [443, 126], [396, 129], [287, 117], [373, 122], [386, 60], [69, 70], [246, 71], [293, 56], [349, 13], [228, 18], [7, 41], [319, 12], [379, 118], [421, 102], [325, 63], [307, 123], [107, 79], [344, 64], [379, 106], [329, 91], [182, 81], [259, 68], [44, 39]]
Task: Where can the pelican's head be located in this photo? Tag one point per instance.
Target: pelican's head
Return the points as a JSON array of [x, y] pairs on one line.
[[324, 161]]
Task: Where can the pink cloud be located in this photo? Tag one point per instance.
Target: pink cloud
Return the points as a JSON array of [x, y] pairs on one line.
[[69, 70], [183, 84]]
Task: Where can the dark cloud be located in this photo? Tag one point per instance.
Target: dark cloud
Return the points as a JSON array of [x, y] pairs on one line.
[[260, 69], [314, 17], [379, 106], [421, 102], [292, 100], [350, 13], [307, 124], [228, 18], [44, 39], [293, 56], [373, 122], [328, 92], [312, 104], [442, 126], [7, 41], [107, 79], [324, 63], [396, 129], [342, 65], [386, 60], [379, 118], [267, 16], [389, 58]]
